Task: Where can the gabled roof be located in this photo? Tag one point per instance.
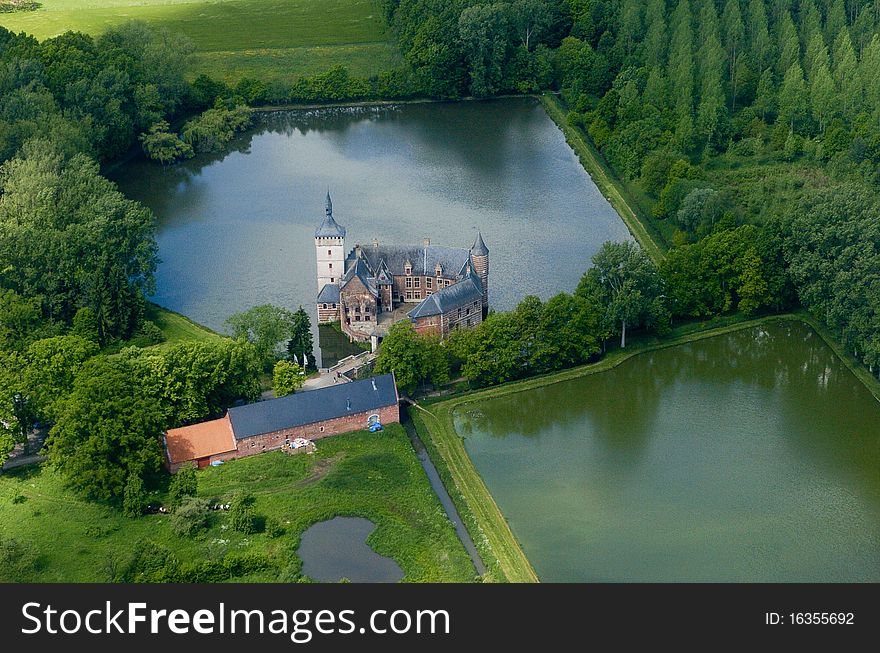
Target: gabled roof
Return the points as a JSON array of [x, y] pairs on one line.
[[460, 294], [329, 294], [200, 440], [423, 259], [313, 406], [361, 270]]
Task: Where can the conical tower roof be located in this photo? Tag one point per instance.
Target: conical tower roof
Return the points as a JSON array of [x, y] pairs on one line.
[[329, 227], [479, 248]]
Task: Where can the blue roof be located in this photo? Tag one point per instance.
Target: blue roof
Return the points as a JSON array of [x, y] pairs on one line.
[[329, 294], [313, 406], [457, 295], [329, 227], [479, 248]]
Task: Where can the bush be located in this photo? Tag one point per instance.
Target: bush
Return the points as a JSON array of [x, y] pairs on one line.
[[242, 514], [190, 517], [134, 498], [183, 484], [17, 561], [273, 527]]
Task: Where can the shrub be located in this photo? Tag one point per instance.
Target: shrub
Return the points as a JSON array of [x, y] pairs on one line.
[[273, 527], [242, 514], [134, 498], [190, 517], [17, 561], [183, 484]]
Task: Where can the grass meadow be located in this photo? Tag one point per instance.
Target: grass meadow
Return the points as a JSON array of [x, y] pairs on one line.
[[375, 476], [265, 39]]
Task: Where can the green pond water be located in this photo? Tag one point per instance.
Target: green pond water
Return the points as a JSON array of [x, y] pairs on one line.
[[753, 456]]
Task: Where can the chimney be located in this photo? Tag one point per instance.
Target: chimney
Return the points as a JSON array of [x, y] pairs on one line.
[[374, 385], [426, 242], [357, 251], [348, 404], [375, 244]]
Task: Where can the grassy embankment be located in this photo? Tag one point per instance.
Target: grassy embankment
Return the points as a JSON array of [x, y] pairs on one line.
[[373, 476], [629, 202], [262, 39], [178, 328]]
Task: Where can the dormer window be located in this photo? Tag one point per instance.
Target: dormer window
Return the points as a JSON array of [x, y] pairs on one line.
[[407, 270]]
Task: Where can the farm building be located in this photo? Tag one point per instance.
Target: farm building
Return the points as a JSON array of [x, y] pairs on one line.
[[273, 424]]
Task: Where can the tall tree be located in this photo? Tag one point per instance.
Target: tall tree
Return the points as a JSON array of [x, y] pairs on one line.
[[823, 97], [681, 71], [107, 430], [846, 74], [266, 327], [301, 345], [734, 39], [793, 98], [656, 37], [760, 43], [626, 282]]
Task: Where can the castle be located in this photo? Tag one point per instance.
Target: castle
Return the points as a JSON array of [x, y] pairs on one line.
[[437, 288]]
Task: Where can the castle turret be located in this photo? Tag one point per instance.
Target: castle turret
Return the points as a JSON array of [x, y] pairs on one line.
[[329, 248], [480, 258]]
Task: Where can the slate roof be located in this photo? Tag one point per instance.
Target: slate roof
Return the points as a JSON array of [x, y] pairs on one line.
[[479, 248], [423, 259], [329, 294], [464, 292], [313, 406], [362, 272], [329, 227]]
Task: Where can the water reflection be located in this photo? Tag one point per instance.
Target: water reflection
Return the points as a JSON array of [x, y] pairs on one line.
[[750, 456], [236, 228]]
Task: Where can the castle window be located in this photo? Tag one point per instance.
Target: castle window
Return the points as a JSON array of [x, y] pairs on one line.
[[329, 252], [409, 294], [408, 269], [429, 282], [468, 312], [331, 306], [417, 295], [409, 282], [332, 280], [459, 313], [330, 265], [428, 293], [366, 318], [325, 305], [417, 283]]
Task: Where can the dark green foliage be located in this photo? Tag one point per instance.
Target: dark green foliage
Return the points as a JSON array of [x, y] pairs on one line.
[[183, 484], [210, 131], [164, 146], [106, 430], [70, 239], [300, 347], [415, 359], [134, 499]]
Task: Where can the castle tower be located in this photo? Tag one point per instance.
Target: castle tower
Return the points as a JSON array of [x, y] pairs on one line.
[[330, 248], [480, 257]]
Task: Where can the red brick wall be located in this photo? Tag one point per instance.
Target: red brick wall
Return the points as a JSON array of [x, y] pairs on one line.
[[270, 441]]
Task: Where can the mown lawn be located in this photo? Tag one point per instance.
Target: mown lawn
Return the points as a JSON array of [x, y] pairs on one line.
[[358, 474], [237, 38]]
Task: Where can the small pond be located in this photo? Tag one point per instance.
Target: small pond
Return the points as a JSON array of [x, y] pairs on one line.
[[337, 548]]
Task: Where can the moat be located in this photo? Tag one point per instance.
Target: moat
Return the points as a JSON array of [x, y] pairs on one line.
[[236, 229], [752, 456]]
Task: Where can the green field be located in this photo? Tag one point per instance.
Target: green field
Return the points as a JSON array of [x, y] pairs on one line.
[[237, 38], [178, 328], [358, 474]]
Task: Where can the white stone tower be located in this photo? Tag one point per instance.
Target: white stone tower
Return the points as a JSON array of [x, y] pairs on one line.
[[330, 248]]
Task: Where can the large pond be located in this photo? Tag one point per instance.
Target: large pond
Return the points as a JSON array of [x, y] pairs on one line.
[[753, 456], [335, 549], [236, 229]]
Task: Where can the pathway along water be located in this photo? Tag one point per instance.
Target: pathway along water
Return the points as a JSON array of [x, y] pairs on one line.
[[442, 494]]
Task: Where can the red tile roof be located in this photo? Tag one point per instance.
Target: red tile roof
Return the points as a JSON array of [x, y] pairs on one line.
[[200, 440]]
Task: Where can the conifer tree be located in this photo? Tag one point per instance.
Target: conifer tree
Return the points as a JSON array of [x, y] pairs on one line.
[[681, 71], [793, 98], [760, 43], [734, 38], [816, 54], [835, 20], [823, 96], [870, 65], [656, 37], [765, 96], [846, 75], [789, 44]]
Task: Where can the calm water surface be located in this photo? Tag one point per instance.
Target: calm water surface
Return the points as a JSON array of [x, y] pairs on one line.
[[237, 229], [753, 456], [335, 549]]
